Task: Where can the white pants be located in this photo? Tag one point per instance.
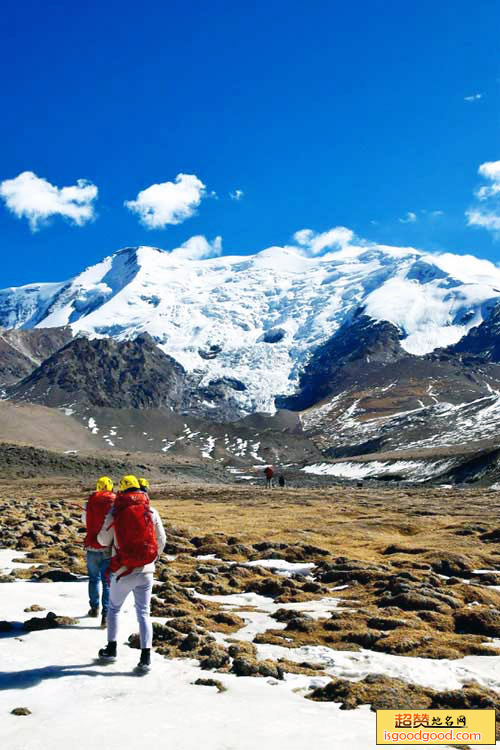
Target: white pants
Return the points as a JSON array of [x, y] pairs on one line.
[[141, 584]]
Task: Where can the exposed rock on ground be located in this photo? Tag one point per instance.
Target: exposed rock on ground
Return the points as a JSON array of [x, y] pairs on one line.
[[47, 623], [211, 683], [21, 711]]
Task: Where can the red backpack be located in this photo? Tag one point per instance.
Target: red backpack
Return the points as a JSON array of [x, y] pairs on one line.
[[135, 537], [98, 506]]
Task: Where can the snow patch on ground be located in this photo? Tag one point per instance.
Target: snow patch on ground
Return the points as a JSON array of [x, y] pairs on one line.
[[283, 567], [7, 564], [440, 674], [418, 471], [208, 448]]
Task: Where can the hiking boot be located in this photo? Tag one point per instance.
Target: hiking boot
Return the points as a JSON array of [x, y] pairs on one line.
[[104, 620], [144, 662], [108, 653], [93, 612]]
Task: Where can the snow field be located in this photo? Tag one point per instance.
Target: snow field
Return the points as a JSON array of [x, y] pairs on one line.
[[418, 471], [79, 703], [440, 674]]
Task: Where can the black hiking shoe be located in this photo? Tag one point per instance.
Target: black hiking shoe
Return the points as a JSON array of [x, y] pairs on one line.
[[144, 662], [104, 620], [93, 612], [108, 653]]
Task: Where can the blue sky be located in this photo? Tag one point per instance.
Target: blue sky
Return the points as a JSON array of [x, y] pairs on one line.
[[323, 114]]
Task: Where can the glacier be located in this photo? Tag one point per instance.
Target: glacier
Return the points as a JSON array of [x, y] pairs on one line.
[[257, 318]]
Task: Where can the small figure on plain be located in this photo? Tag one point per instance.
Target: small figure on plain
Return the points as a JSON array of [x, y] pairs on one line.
[[281, 480], [98, 556], [136, 534], [269, 473]]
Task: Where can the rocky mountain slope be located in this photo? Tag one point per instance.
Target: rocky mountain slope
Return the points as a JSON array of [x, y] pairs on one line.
[[104, 372], [129, 374], [22, 351], [361, 392], [482, 341]]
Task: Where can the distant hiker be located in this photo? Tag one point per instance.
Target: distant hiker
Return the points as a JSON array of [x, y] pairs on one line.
[[144, 485], [281, 480], [269, 473], [98, 556], [137, 536]]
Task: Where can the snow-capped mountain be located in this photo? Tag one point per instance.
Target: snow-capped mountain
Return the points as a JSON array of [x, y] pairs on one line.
[[257, 319]]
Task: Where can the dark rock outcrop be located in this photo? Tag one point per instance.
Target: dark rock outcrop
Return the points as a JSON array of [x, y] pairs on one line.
[[107, 373], [483, 341]]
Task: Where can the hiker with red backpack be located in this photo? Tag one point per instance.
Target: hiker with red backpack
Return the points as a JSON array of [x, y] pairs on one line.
[[269, 473], [98, 556], [136, 534]]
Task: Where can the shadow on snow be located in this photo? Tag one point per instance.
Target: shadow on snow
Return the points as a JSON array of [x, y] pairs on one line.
[[27, 678]]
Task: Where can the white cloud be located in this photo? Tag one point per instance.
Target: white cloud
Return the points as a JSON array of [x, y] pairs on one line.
[[486, 213], [338, 243], [314, 243], [487, 219], [490, 170], [473, 98], [409, 218], [36, 199], [168, 202], [236, 195], [198, 248]]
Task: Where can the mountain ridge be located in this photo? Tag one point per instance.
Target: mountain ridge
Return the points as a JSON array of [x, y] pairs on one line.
[[258, 319]]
